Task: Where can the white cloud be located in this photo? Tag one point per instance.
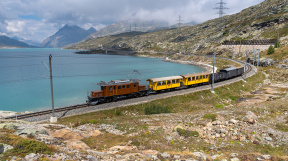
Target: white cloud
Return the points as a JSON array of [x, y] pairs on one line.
[[54, 14]]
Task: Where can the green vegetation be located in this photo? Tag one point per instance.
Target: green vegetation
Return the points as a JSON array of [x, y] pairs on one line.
[[277, 44], [282, 127], [156, 109], [210, 116], [187, 133], [22, 146], [218, 106], [271, 50]]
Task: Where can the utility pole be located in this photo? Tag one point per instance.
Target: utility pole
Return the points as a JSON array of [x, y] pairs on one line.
[[53, 119], [212, 90], [179, 21], [258, 60], [245, 68]]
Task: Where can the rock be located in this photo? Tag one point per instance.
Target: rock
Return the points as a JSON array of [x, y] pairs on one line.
[[149, 151], [26, 131], [200, 155], [233, 121], [91, 158], [8, 126], [48, 139], [250, 117], [1, 148], [66, 134], [154, 157], [256, 142], [76, 144], [6, 147], [233, 155], [31, 157], [234, 159], [95, 133], [165, 155], [266, 157], [268, 138], [123, 148], [176, 156]]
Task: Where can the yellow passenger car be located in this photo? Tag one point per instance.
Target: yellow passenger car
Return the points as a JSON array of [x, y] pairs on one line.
[[197, 78], [163, 83]]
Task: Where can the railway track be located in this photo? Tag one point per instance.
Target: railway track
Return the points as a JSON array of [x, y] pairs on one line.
[[69, 108], [35, 114]]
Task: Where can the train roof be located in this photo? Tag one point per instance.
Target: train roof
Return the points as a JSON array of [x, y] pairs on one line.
[[164, 78], [195, 74], [228, 69], [118, 82]]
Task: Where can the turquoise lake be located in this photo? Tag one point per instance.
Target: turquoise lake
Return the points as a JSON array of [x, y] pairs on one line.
[[25, 83]]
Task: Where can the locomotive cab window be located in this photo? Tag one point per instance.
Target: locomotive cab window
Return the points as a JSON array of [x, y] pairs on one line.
[[103, 87], [110, 88], [189, 79], [135, 84], [158, 83], [119, 87], [178, 81], [123, 86], [128, 86], [114, 87]]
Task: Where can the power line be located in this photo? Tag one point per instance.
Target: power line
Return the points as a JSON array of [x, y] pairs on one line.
[[221, 12]]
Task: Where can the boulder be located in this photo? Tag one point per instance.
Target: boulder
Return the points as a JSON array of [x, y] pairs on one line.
[[250, 117], [77, 144], [31, 156], [27, 131], [66, 134], [165, 155]]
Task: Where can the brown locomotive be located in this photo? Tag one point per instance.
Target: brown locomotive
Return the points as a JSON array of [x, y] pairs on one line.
[[115, 89]]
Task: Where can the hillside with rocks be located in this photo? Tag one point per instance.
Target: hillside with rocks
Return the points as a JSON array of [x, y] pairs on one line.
[[262, 21]]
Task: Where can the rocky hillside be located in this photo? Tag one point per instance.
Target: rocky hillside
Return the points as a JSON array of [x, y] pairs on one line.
[[127, 26], [65, 36], [9, 42], [262, 21]]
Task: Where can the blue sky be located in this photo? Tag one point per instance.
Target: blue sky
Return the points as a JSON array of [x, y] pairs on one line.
[[39, 19]]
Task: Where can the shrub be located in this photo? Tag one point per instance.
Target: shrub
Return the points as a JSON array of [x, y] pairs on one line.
[[24, 146], [118, 112], [282, 127], [218, 106], [277, 44], [92, 121], [271, 50], [187, 133], [210, 116], [156, 109]]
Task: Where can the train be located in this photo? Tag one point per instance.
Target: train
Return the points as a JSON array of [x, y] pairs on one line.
[[125, 88]]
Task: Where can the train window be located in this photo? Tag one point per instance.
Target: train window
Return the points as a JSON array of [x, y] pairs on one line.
[[164, 83], [103, 87], [110, 88], [178, 81], [135, 84], [189, 79], [158, 83], [128, 86], [193, 78], [206, 76], [173, 81], [123, 86], [119, 87], [168, 82], [201, 77], [114, 87]]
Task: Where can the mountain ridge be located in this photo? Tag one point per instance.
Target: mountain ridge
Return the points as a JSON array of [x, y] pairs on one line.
[[66, 35]]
